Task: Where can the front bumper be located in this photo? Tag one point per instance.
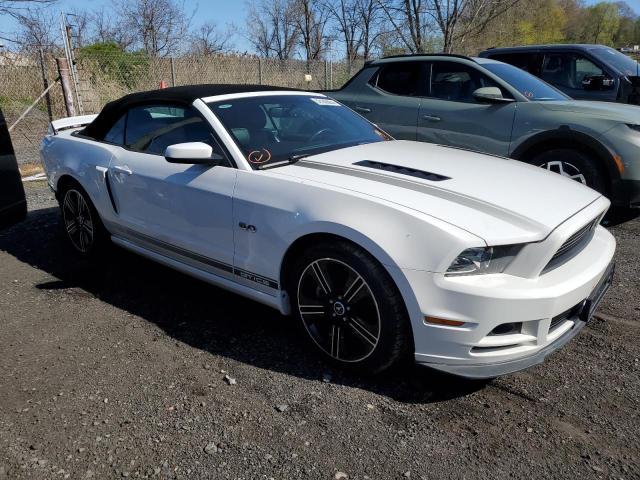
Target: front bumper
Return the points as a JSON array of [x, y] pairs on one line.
[[582, 316], [549, 309]]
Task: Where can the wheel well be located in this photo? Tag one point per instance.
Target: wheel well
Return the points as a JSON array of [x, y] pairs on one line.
[[302, 243], [306, 241], [63, 182], [567, 144]]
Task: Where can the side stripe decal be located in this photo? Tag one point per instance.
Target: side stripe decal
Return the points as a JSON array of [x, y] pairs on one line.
[[253, 277]]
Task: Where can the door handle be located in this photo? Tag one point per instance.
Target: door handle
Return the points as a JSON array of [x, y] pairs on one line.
[[357, 108], [431, 118], [122, 169]]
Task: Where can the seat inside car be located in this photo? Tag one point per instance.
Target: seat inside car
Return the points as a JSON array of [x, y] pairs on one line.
[[454, 86], [248, 125]]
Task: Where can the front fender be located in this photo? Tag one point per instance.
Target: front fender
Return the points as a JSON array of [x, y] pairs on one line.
[[284, 209]]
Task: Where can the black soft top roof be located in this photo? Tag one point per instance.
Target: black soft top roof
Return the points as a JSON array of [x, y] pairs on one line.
[[184, 95]]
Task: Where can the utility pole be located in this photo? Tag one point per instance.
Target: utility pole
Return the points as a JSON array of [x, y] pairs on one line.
[[65, 81]]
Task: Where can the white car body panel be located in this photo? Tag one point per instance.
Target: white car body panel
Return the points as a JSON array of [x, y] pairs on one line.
[[188, 217]]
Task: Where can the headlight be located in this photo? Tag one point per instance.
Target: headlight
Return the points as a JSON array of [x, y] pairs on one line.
[[483, 260]]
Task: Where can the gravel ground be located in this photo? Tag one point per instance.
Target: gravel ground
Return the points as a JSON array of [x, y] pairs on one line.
[[118, 370]]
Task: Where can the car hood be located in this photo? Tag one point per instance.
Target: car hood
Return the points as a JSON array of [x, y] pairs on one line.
[[497, 199], [619, 112]]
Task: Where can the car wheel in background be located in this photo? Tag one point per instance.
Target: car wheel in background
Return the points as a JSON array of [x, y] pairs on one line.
[[81, 221], [349, 308], [574, 165]]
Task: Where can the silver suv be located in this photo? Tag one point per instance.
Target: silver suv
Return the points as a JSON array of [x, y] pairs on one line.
[[490, 106]]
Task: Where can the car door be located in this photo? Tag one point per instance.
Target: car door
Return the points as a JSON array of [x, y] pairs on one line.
[[578, 76], [450, 115], [184, 210], [391, 98]]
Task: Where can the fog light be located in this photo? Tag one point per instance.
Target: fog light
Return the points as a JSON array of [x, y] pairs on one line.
[[443, 321]]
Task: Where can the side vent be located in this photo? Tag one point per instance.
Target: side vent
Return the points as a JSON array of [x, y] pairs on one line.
[[108, 184], [411, 172]]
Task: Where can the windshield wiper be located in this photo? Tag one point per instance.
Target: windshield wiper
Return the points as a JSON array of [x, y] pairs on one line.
[[289, 161]]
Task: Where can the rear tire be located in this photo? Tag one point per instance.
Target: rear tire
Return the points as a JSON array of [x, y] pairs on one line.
[[575, 165], [83, 227], [349, 308]]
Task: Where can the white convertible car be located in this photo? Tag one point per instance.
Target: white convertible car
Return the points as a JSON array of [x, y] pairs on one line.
[[384, 250]]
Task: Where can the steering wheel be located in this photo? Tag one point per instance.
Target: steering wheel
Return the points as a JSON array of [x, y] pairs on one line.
[[319, 133]]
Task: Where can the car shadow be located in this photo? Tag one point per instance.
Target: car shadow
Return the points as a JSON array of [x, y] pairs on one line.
[[204, 316], [618, 215]]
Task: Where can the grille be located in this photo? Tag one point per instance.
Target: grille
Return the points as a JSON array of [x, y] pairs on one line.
[[572, 244]]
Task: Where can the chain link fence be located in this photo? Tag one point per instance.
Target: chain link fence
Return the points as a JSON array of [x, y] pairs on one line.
[[22, 81], [102, 78], [105, 78]]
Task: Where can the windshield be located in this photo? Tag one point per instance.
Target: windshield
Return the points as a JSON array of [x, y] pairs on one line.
[[283, 128], [618, 60], [531, 87]]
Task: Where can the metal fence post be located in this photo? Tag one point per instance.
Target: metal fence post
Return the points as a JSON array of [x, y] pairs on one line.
[[45, 83], [173, 73], [330, 75], [326, 75], [259, 71], [65, 81]]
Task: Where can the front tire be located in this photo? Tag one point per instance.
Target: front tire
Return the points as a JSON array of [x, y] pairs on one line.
[[83, 228], [574, 165], [349, 308]]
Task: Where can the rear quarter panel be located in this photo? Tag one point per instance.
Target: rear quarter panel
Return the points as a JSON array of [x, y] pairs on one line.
[[78, 158]]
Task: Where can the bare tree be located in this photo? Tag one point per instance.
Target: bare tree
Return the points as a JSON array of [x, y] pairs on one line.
[[357, 23], [209, 40], [345, 14], [105, 29], [36, 31], [19, 10], [408, 19], [370, 24], [458, 19], [272, 28], [157, 26], [452, 21], [311, 21]]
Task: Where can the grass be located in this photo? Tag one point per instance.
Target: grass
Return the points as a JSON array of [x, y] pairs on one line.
[[28, 169]]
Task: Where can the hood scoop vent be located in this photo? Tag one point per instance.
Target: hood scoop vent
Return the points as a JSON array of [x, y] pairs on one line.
[[412, 172]]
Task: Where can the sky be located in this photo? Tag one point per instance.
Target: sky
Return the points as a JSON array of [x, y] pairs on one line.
[[222, 12]]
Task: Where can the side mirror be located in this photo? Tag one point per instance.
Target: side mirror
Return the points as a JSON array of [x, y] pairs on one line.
[[194, 153], [490, 95]]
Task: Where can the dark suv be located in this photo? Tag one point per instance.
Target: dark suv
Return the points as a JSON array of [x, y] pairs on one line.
[[584, 72], [13, 206]]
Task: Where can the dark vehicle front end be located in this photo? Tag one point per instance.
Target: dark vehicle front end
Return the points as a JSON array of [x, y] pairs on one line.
[[584, 72]]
